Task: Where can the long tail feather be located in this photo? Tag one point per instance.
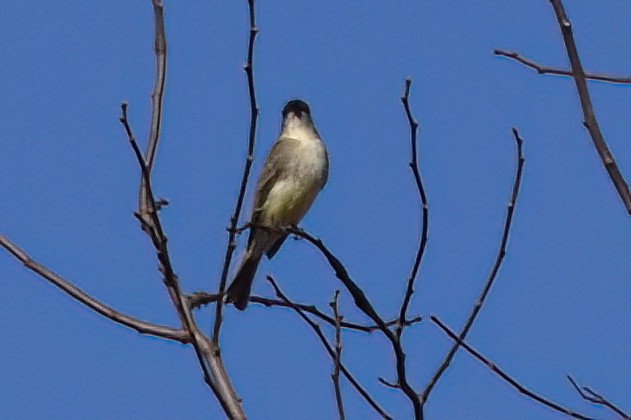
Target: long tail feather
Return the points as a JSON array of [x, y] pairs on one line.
[[239, 291]]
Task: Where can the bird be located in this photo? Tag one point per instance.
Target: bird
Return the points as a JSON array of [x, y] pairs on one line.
[[295, 171]]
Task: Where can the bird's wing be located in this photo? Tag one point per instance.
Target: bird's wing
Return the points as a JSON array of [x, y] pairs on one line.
[[273, 170]]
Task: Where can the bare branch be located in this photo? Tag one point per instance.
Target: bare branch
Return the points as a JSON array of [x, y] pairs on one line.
[[207, 352], [589, 117], [335, 376], [160, 49], [234, 220], [588, 394], [493, 274], [362, 303], [425, 209], [499, 372], [87, 300], [198, 299], [541, 69], [316, 328], [388, 383]]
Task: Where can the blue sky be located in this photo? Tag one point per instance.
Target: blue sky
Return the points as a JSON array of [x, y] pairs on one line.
[[69, 181]]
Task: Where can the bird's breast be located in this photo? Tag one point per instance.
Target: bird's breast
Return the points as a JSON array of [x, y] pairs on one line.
[[294, 192]]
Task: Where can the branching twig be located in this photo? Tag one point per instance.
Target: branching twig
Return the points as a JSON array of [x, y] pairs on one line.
[[207, 351], [234, 220], [198, 299], [559, 72], [588, 394], [499, 372], [87, 300], [491, 278], [425, 210], [589, 118], [362, 303], [335, 376], [316, 328]]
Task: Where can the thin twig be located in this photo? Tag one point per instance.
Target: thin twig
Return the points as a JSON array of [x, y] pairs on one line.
[[589, 118], [541, 69], [425, 209], [160, 49], [492, 275], [90, 302], [590, 395], [335, 376], [198, 299], [316, 328], [362, 303], [494, 368], [234, 220]]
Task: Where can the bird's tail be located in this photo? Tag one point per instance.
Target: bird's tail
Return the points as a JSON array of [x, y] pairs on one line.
[[239, 291]]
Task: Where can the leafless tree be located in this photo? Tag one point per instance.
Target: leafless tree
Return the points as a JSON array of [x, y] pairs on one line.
[[207, 347]]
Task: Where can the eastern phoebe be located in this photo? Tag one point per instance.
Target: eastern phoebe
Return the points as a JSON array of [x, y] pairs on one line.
[[296, 169]]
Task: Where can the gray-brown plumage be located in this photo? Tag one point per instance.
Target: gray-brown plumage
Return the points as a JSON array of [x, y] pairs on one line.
[[295, 170]]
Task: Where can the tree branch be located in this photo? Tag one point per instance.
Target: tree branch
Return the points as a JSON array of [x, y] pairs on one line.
[[90, 302], [198, 299], [316, 328], [335, 376], [559, 72], [234, 220], [499, 372], [493, 274], [589, 117], [362, 303], [589, 395], [160, 49], [425, 209], [207, 352]]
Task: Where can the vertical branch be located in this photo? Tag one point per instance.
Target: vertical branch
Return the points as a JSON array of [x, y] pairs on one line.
[[234, 220], [160, 49], [207, 352], [491, 278], [589, 118], [335, 376], [425, 209]]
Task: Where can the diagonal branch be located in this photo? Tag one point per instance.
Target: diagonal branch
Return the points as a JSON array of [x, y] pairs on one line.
[[589, 117], [362, 303], [491, 278], [425, 209], [207, 352], [198, 299], [559, 72], [316, 328], [499, 372], [590, 395], [87, 300], [234, 220]]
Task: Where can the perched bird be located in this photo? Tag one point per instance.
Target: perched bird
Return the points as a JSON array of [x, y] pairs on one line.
[[295, 170]]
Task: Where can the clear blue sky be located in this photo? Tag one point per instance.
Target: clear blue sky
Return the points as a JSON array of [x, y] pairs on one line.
[[69, 181]]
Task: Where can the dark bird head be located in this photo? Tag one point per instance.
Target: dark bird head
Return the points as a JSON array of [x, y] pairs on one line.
[[297, 107]]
